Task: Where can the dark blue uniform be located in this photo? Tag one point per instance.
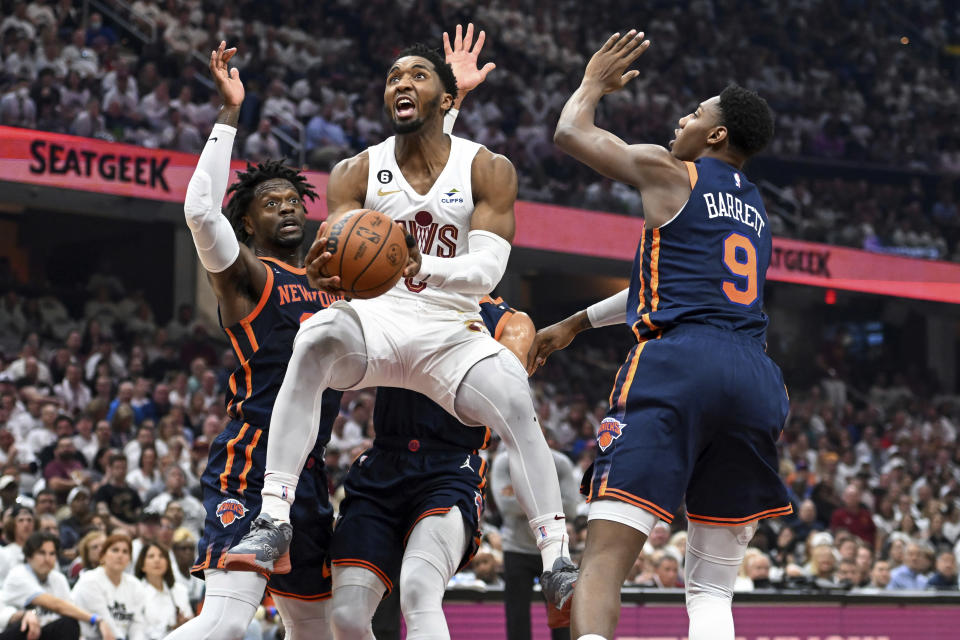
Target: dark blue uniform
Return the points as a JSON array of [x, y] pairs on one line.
[[423, 462], [232, 481], [698, 406]]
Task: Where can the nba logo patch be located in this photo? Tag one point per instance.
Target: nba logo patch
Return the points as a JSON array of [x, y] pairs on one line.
[[736, 178], [229, 511], [542, 533], [610, 430]]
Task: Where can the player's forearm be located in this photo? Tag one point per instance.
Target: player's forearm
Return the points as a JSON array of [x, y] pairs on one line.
[[578, 116], [610, 311], [476, 272]]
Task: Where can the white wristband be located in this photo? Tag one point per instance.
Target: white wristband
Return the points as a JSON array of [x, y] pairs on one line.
[[612, 310]]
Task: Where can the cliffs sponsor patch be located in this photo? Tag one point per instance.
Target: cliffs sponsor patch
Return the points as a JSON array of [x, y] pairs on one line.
[[610, 430], [230, 510]]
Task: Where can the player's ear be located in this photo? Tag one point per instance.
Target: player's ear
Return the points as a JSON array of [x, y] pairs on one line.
[[716, 135], [446, 103], [247, 225]]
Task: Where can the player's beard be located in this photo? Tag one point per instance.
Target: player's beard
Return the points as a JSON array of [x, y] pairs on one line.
[[412, 126], [290, 241]]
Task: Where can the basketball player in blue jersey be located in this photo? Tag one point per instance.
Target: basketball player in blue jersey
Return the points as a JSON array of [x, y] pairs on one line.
[[698, 406], [254, 264], [411, 514], [458, 198]]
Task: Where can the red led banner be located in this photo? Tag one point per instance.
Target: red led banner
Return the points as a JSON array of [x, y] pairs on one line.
[[86, 164]]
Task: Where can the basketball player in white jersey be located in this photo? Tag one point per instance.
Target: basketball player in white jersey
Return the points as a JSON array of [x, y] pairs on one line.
[[425, 334]]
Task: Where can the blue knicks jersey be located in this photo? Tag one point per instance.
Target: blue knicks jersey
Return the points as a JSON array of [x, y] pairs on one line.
[[263, 342], [709, 263], [402, 417]]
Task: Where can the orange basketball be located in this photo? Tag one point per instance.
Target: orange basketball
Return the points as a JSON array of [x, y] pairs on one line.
[[369, 253]]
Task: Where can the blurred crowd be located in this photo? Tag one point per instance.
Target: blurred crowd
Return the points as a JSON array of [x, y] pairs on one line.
[[106, 418], [885, 97]]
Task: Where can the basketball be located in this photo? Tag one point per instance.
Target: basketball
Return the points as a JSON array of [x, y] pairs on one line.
[[368, 252]]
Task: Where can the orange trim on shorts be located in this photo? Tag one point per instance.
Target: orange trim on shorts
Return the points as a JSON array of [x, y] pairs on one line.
[[625, 389], [486, 438], [654, 279], [292, 596], [248, 453], [231, 446], [629, 498], [692, 172], [490, 300], [369, 566], [643, 242], [736, 522], [483, 474], [502, 324], [206, 561], [300, 271], [426, 514]]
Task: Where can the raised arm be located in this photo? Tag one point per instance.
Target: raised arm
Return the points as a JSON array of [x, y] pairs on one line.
[[494, 182], [645, 166], [463, 57], [235, 273]]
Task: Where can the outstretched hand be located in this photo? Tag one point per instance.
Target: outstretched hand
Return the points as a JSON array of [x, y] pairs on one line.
[[553, 338], [607, 69], [227, 79], [463, 59]]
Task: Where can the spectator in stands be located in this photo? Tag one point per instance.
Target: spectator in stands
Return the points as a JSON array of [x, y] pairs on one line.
[[945, 576], [111, 593], [666, 572], [180, 134], [147, 474], [911, 575], [175, 489], [262, 145], [184, 555], [37, 582], [19, 22], [822, 564], [65, 471], [80, 520], [119, 499], [19, 523], [88, 554], [9, 494], [17, 108], [73, 393], [167, 602]]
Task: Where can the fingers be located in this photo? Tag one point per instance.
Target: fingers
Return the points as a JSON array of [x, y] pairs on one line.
[[628, 76], [229, 53], [487, 68], [447, 49], [235, 74], [624, 41], [610, 42], [458, 39], [638, 51], [480, 40], [468, 38]]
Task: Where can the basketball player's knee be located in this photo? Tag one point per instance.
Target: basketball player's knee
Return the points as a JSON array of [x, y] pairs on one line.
[[421, 586], [211, 624], [348, 620], [713, 559]]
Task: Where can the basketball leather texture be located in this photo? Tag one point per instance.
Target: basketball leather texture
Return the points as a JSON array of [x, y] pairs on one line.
[[368, 252]]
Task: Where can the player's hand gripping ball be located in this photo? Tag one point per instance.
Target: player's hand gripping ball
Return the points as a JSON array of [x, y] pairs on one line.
[[368, 251]]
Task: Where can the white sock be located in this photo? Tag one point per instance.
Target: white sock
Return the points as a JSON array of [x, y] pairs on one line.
[[550, 532], [279, 492], [591, 636]]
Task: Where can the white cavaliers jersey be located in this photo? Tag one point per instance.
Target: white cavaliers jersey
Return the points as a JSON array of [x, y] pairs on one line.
[[439, 220]]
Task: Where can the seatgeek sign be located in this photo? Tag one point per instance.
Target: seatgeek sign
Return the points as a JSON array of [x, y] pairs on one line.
[[86, 164]]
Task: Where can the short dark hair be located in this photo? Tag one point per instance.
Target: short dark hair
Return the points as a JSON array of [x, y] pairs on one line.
[[116, 457], [10, 525], [142, 558], [444, 70], [36, 540], [747, 118], [243, 190]]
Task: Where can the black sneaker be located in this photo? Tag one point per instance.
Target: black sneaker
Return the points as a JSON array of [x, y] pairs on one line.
[[557, 584], [265, 549]]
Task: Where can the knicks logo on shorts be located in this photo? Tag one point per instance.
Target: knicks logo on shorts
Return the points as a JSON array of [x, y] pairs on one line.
[[229, 511], [610, 430]]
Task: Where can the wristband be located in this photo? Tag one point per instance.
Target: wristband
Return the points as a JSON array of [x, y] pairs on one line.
[[94, 619]]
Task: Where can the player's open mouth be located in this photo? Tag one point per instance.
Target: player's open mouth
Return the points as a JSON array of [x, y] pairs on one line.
[[404, 107], [287, 225]]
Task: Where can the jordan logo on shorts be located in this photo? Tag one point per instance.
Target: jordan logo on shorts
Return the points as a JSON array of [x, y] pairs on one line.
[[610, 430], [466, 464]]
